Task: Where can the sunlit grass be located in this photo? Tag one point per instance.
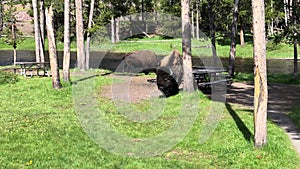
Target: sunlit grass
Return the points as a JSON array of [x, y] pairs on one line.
[[39, 128], [272, 78], [29, 44], [164, 46]]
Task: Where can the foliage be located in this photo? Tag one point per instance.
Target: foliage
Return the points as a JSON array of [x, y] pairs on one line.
[[288, 35], [4, 45], [8, 78], [105, 9], [172, 7], [9, 21], [291, 28], [245, 16], [223, 11], [274, 12], [271, 45], [169, 25]]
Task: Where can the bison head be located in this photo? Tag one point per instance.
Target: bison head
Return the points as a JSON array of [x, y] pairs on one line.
[[169, 74], [166, 83]]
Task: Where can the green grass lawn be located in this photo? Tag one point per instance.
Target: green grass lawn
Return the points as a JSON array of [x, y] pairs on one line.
[[272, 78], [39, 128], [29, 44], [294, 114], [163, 47]]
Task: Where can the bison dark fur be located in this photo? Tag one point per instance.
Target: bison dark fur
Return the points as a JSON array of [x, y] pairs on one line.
[[143, 61], [174, 64], [169, 74], [166, 83]]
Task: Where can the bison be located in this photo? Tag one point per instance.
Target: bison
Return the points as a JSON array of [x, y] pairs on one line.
[[169, 70], [143, 61], [169, 74]]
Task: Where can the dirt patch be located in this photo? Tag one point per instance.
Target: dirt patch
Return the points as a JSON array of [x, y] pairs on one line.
[[131, 88]]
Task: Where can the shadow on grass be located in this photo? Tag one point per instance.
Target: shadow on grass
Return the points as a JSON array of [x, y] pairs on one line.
[[83, 79], [240, 124], [87, 77]]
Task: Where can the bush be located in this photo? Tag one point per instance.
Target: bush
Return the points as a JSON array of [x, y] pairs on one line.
[[8, 78], [271, 46]]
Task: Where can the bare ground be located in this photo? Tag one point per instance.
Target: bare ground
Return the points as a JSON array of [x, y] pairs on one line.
[[132, 89]]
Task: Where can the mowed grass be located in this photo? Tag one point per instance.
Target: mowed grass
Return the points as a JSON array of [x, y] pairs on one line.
[[39, 128], [279, 51], [28, 43], [294, 114], [272, 78], [164, 46]]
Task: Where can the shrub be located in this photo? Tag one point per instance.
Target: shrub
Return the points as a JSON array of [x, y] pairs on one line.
[[8, 78], [271, 46]]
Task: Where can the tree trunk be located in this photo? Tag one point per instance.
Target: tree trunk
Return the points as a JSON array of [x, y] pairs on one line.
[[242, 39], [295, 59], [285, 13], [66, 64], [1, 17], [212, 31], [272, 21], [42, 31], [289, 10], [260, 74], [13, 28], [197, 20], [36, 31], [144, 28], [80, 36], [193, 24], [130, 22], [52, 49], [118, 30], [295, 19], [15, 56], [88, 40], [232, 52], [113, 37], [188, 78]]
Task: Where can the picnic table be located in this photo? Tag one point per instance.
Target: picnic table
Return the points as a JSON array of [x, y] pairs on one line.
[[34, 66], [207, 76]]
